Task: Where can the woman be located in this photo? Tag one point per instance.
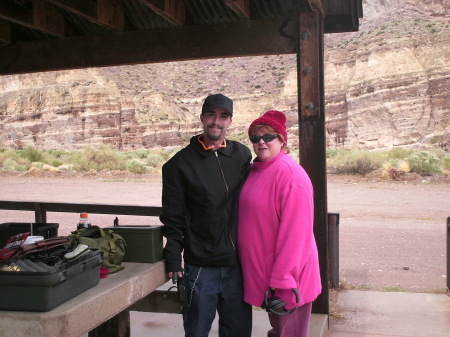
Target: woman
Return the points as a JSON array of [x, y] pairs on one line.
[[275, 236]]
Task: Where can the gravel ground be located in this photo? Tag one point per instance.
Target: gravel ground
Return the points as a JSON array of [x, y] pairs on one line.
[[392, 233]]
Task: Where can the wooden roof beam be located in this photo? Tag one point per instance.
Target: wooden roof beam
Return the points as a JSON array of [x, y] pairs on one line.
[[106, 13], [240, 7], [241, 38], [5, 31], [42, 17], [170, 10]]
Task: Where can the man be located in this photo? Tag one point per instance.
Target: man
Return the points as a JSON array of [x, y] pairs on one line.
[[201, 185]]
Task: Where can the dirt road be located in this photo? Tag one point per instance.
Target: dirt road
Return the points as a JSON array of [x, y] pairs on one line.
[[392, 234]]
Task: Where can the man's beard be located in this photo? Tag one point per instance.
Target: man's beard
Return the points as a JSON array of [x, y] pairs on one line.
[[214, 136]]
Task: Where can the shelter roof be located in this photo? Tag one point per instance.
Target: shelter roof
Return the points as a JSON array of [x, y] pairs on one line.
[[42, 35]]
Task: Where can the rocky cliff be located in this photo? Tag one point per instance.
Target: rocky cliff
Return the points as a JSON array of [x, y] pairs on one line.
[[386, 85]]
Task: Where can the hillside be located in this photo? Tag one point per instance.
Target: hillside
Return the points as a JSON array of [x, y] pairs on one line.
[[386, 85]]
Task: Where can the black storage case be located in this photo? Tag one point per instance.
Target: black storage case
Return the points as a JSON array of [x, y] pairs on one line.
[[43, 291], [8, 229]]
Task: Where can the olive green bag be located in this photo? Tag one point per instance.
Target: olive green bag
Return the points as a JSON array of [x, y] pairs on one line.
[[111, 244]]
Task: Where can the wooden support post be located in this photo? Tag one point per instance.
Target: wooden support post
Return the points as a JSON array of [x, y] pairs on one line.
[[448, 255], [40, 215], [333, 249], [159, 301], [118, 326], [311, 111]]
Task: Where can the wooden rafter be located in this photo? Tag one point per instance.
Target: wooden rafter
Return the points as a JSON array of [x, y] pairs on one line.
[[106, 13], [170, 10], [47, 18], [42, 17], [240, 7], [5, 31]]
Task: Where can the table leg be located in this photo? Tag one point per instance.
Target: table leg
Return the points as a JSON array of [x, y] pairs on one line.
[[118, 326]]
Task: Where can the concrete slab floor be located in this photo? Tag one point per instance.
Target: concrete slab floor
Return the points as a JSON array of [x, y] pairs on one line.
[[394, 314], [353, 313], [144, 324]]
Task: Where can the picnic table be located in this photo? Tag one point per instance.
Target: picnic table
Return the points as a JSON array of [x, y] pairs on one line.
[[100, 311]]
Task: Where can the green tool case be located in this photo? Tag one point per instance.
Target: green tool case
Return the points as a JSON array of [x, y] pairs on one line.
[[144, 243], [47, 286]]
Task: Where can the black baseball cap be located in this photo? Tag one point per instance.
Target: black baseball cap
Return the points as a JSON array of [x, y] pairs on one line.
[[217, 101]]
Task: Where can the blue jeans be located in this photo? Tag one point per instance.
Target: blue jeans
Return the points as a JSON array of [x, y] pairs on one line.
[[216, 289]]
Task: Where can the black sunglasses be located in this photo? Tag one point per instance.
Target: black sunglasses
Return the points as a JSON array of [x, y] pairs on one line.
[[266, 138]]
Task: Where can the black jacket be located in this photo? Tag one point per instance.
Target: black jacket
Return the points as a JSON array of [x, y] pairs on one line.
[[199, 204]]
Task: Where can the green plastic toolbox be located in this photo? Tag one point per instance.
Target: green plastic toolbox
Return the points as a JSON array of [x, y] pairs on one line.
[[144, 243], [41, 287], [8, 229]]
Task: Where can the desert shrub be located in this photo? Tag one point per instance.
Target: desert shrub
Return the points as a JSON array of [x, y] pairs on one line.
[[6, 154], [32, 155], [37, 164], [154, 160], [403, 166], [158, 157], [397, 165], [446, 164], [103, 158], [10, 160], [136, 166], [11, 165], [434, 161], [399, 153], [424, 163], [56, 162], [332, 153], [168, 153], [140, 153], [441, 154], [355, 162], [66, 157], [57, 153], [140, 161]]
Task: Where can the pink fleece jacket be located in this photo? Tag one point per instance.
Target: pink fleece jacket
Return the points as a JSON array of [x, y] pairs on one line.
[[276, 243]]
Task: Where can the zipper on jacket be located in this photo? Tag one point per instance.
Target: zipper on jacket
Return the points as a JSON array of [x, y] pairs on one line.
[[221, 171], [226, 186]]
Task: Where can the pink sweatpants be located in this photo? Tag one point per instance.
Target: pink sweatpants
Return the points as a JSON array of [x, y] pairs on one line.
[[295, 324]]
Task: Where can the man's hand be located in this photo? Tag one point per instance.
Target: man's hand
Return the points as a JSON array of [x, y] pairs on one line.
[[175, 275]]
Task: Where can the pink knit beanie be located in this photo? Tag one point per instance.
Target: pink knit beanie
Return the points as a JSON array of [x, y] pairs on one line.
[[274, 119]]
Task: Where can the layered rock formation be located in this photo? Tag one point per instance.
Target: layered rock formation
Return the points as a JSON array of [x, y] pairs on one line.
[[386, 85], [64, 110]]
